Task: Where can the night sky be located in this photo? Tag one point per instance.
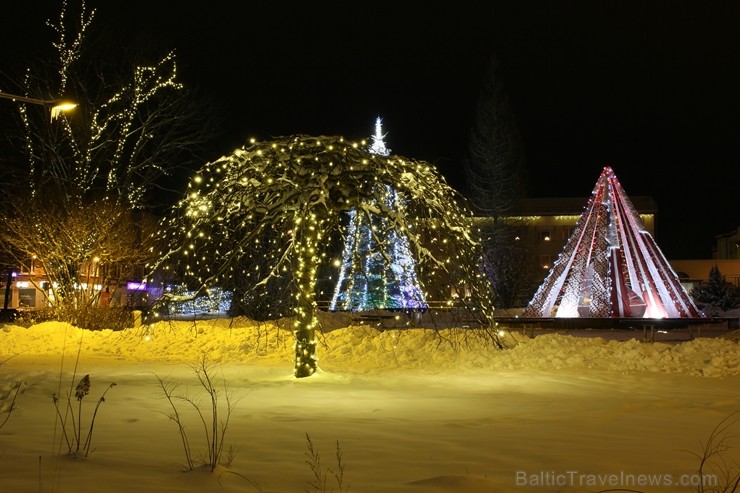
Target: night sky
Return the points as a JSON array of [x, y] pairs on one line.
[[650, 88]]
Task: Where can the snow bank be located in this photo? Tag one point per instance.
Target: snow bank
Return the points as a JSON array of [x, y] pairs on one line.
[[364, 349]]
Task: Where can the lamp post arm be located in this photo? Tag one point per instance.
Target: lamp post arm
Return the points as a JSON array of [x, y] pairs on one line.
[[24, 99], [57, 105]]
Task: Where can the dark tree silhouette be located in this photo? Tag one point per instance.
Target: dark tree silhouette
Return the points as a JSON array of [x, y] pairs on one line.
[[495, 170], [715, 295], [495, 177]]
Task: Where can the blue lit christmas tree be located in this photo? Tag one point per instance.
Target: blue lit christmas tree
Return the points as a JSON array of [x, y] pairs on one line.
[[378, 270]]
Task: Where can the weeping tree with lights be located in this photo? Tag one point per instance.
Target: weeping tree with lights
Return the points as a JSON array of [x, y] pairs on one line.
[[292, 192], [91, 178]]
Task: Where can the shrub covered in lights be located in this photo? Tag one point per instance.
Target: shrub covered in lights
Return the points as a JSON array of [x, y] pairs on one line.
[[215, 301], [269, 211]]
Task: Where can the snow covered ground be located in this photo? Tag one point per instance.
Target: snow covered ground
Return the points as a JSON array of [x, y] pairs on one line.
[[410, 411]]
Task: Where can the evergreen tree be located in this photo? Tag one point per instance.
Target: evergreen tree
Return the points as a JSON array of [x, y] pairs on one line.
[[715, 295], [495, 170], [371, 277], [495, 182]]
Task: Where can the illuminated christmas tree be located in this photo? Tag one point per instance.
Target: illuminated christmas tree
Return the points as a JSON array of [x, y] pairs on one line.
[[372, 277], [611, 266]]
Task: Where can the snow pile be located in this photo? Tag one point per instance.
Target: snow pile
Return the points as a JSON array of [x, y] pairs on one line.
[[363, 349], [701, 357]]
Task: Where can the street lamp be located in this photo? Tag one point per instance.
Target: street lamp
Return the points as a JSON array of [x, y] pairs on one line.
[[57, 105]]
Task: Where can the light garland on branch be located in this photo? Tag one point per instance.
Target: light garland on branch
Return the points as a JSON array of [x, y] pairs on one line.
[[261, 221]]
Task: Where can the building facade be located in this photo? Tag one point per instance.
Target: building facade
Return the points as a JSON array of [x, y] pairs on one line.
[[549, 222]]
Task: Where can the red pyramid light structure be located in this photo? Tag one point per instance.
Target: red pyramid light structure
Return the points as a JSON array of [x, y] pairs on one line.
[[611, 267]]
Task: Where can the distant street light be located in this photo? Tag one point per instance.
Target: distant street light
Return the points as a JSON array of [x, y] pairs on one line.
[[57, 105]]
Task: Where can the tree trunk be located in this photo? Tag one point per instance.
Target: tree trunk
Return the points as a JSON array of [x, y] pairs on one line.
[[7, 289], [307, 244]]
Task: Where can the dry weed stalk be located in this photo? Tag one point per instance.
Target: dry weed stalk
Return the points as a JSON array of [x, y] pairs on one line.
[[214, 427], [75, 442], [7, 400], [718, 473], [320, 474]]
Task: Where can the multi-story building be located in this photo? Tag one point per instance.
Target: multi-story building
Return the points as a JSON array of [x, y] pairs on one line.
[[726, 257], [27, 287], [728, 245]]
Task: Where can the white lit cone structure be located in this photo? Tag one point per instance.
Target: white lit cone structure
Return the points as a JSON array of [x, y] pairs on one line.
[[611, 267]]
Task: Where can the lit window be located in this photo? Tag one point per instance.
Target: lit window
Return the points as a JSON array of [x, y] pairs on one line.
[[545, 261]]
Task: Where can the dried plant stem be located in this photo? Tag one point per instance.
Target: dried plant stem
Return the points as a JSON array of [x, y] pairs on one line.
[[61, 420], [88, 440], [320, 475], [714, 458], [168, 387], [78, 428], [214, 427], [83, 387], [8, 401]]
